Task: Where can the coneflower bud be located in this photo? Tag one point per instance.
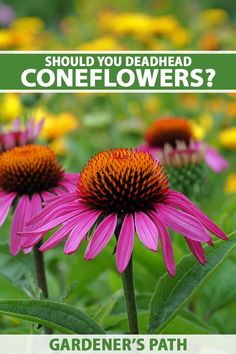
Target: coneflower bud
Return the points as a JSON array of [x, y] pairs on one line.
[[185, 167]]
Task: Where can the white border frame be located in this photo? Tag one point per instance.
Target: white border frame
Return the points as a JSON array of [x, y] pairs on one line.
[[118, 52]]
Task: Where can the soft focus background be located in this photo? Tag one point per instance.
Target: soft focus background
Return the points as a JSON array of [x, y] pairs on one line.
[[79, 125]]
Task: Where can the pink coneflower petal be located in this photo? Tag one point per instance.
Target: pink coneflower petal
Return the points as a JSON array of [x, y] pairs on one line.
[[6, 202], [177, 199], [146, 230], [27, 250], [46, 196], [57, 221], [197, 250], [58, 191], [22, 139], [79, 232], [183, 223], [61, 210], [35, 206], [59, 216], [101, 236], [167, 249], [125, 243], [59, 235], [16, 124], [8, 140], [215, 161], [38, 128], [57, 200], [18, 223]]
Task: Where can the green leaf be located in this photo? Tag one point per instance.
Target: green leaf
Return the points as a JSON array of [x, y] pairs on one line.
[[171, 294], [16, 270], [62, 317], [181, 325], [105, 311]]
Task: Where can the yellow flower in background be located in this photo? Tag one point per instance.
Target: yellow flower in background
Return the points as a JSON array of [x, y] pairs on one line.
[[198, 131], [202, 126], [102, 43], [6, 39], [144, 27], [163, 24], [231, 109], [152, 104], [206, 121], [59, 146], [230, 184], [180, 37], [128, 24], [10, 106], [28, 24], [228, 138], [24, 33], [57, 126], [214, 17]]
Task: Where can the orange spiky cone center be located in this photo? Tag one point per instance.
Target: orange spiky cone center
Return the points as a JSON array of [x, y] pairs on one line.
[[29, 169], [122, 180]]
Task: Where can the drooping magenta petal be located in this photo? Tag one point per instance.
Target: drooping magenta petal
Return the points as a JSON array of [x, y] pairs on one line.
[[18, 223], [27, 250], [56, 202], [215, 161], [5, 205], [101, 236], [8, 140], [63, 210], [183, 223], [38, 128], [146, 230], [59, 235], [16, 124], [197, 250], [167, 250], [125, 243], [179, 200], [79, 232], [22, 140], [33, 239]]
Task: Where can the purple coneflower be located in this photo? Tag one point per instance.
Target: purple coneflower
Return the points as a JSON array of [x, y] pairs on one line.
[[168, 132], [120, 191], [29, 175], [18, 136]]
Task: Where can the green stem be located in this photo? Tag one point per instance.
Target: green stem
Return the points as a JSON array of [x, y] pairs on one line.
[[130, 299], [41, 275], [40, 270]]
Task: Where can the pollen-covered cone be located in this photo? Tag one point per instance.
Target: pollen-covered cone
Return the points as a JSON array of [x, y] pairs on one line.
[[123, 191]]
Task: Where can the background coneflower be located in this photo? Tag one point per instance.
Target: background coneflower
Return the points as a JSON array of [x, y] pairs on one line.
[[18, 136], [170, 131], [172, 142], [29, 175], [120, 191]]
